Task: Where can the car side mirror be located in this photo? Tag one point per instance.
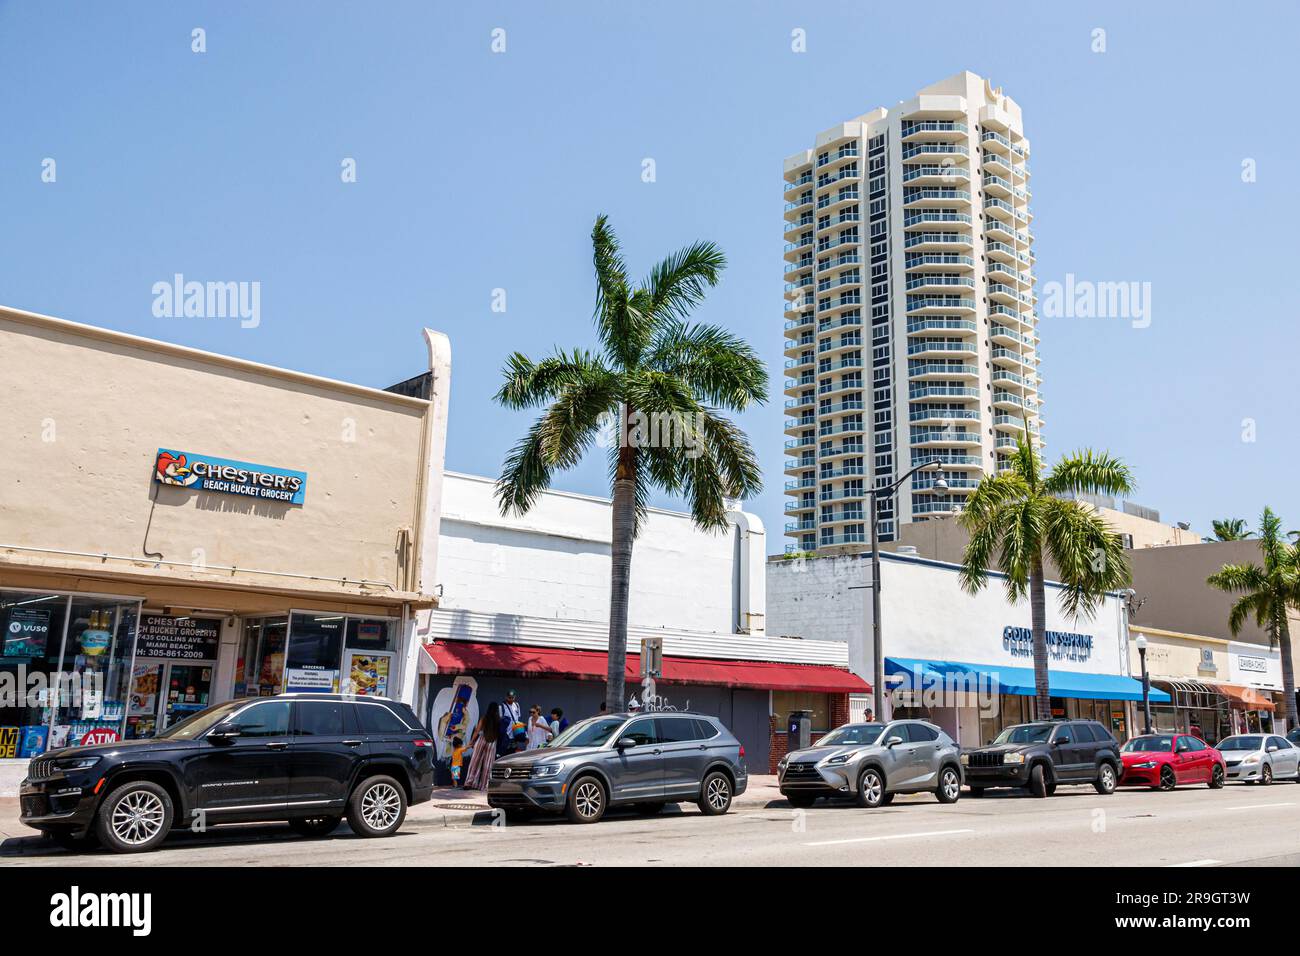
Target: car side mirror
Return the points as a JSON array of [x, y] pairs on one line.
[[890, 741], [1060, 740], [1273, 749], [223, 733], [624, 743]]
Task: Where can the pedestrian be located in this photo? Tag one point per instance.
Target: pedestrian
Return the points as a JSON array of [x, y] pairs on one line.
[[1195, 730], [868, 716], [511, 708], [457, 760], [559, 723], [484, 743], [539, 731]]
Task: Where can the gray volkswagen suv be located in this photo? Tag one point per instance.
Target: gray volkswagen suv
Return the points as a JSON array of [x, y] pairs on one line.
[[871, 763], [642, 761]]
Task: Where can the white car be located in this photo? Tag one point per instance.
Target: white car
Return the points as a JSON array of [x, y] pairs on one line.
[[1260, 758]]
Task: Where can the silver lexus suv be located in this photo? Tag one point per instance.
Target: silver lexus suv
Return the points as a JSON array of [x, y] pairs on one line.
[[641, 761], [872, 762]]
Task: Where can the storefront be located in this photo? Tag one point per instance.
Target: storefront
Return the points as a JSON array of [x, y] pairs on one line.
[[963, 661], [464, 677], [143, 578], [1215, 687]]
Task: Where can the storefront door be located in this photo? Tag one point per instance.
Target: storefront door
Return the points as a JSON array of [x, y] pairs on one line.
[[166, 692]]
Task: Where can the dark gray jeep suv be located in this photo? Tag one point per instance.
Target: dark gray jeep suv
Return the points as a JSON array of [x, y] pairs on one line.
[[1041, 755], [643, 761]]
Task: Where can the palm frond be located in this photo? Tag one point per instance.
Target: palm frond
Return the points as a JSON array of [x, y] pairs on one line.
[[1088, 555], [525, 475], [1089, 472], [678, 283], [528, 383], [722, 369]]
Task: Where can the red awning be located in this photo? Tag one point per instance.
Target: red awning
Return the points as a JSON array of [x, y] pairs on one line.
[[459, 657]]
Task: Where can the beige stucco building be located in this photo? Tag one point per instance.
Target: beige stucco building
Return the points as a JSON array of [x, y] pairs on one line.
[[185, 527]]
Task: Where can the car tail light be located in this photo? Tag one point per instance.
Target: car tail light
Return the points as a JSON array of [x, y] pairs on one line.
[[742, 751], [422, 743]]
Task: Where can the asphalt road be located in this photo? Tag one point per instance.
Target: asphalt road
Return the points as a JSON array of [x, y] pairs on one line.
[[1238, 825]]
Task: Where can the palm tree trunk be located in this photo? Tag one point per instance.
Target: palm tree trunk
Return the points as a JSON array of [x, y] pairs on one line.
[[1288, 673], [620, 572], [1038, 618]]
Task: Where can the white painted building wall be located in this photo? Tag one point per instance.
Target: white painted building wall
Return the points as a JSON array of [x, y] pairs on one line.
[[925, 614], [554, 562]]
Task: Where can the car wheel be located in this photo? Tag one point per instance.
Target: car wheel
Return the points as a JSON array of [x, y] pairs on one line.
[[1216, 777], [135, 818], [377, 807], [647, 809], [949, 790], [871, 789], [715, 794], [586, 802], [1266, 775], [800, 799], [1040, 785], [315, 826], [1168, 779], [1106, 779], [976, 791]]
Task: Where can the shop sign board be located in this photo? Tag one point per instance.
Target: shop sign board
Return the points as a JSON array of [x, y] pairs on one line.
[[229, 477], [178, 638], [1061, 645], [311, 678]]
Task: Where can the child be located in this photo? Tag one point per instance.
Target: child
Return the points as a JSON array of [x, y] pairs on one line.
[[457, 760]]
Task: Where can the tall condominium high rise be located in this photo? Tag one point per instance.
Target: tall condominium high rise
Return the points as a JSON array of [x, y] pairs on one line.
[[910, 330]]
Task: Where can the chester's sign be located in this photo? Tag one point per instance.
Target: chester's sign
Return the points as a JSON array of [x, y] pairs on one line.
[[188, 470], [1061, 645]]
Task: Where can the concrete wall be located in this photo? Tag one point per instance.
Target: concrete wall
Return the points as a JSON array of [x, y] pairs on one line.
[[554, 562], [86, 411], [1170, 583]]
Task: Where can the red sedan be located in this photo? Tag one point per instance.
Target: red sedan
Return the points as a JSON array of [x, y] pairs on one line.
[[1164, 761]]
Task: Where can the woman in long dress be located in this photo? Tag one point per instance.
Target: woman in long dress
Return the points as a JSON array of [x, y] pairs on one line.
[[484, 742]]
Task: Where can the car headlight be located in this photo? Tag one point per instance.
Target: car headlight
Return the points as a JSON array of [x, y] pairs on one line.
[[1013, 758], [841, 758], [1144, 765], [782, 763], [965, 760], [76, 763], [1253, 758], [546, 770]]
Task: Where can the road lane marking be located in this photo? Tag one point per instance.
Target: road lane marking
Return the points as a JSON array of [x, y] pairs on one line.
[[1196, 863], [1259, 806], [892, 836]]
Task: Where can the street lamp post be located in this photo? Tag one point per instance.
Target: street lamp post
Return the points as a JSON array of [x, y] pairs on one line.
[[1146, 684], [940, 486]]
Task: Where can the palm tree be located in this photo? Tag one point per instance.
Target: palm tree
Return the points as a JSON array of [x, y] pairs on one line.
[[1266, 592], [652, 394], [1230, 529], [1020, 520]]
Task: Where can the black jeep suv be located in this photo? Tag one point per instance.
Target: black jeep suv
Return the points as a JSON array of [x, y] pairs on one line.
[[307, 759], [1040, 755]]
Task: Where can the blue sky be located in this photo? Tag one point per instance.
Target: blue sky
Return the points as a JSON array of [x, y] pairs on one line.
[[479, 171]]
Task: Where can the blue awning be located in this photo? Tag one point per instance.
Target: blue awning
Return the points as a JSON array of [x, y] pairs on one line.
[[917, 674]]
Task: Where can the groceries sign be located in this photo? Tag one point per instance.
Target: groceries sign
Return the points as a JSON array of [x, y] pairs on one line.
[[188, 470]]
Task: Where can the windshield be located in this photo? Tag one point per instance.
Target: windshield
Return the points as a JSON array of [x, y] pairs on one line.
[[1025, 734], [851, 734], [194, 726], [1241, 743], [1162, 743], [588, 733]]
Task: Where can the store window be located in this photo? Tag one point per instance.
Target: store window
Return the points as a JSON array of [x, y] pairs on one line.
[[64, 669], [259, 670], [784, 701], [315, 649]]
